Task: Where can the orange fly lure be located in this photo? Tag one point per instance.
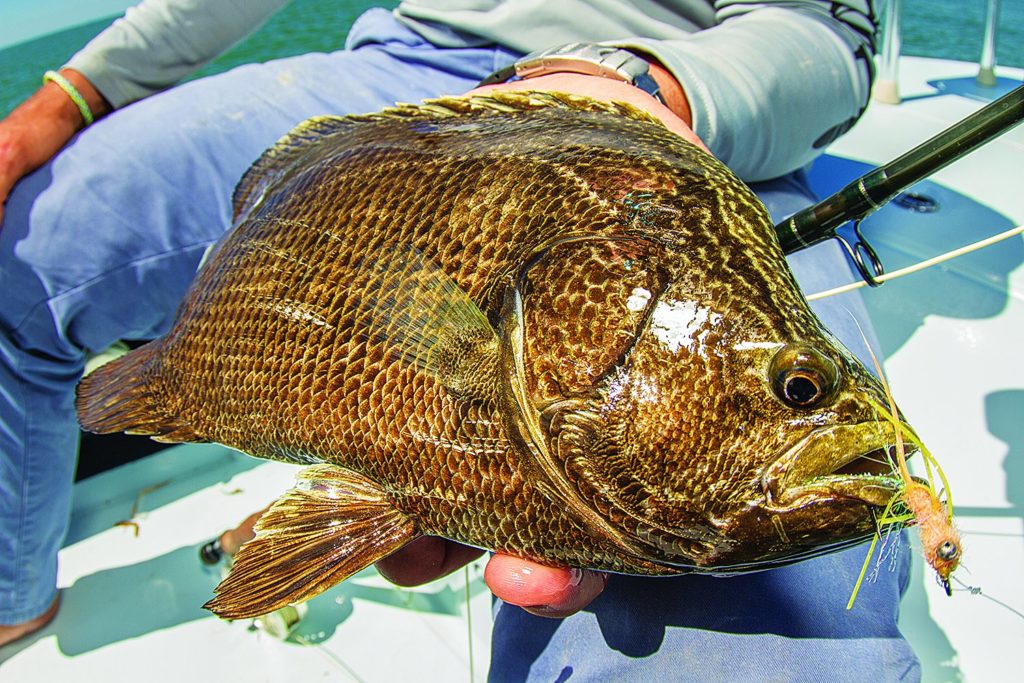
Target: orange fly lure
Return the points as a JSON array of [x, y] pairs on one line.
[[940, 541]]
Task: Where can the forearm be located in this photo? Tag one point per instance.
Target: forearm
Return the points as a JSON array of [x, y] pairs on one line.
[[159, 42], [671, 92], [156, 44], [769, 89], [41, 125], [601, 88], [52, 103]]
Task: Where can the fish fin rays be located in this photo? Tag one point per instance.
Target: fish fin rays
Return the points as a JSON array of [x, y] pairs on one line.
[[333, 524], [431, 323], [119, 397], [275, 162], [506, 101]]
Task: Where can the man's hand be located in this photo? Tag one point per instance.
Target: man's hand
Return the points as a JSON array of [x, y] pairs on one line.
[[677, 119], [41, 125], [544, 591]]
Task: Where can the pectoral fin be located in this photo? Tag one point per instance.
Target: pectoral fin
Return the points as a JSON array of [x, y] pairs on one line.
[[333, 524], [429, 321]]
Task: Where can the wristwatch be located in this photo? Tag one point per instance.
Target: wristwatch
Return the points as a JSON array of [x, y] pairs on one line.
[[581, 58]]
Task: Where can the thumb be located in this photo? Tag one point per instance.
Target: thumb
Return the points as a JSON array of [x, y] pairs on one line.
[[541, 590]]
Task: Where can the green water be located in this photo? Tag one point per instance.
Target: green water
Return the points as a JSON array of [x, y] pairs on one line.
[[950, 29], [953, 29], [303, 26]]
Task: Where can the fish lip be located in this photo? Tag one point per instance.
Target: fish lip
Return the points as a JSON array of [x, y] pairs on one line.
[[810, 468]]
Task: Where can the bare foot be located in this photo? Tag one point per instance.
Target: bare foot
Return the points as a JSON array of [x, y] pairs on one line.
[[8, 634]]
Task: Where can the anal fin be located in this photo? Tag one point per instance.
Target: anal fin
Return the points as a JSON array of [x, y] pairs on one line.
[[333, 524]]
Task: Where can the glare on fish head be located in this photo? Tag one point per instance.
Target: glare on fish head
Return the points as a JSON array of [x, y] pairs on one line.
[[688, 397], [683, 325]]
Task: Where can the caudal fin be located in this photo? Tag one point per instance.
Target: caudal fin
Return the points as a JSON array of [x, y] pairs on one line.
[[120, 397]]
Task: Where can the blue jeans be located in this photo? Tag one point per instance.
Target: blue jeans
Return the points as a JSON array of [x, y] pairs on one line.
[[102, 242]]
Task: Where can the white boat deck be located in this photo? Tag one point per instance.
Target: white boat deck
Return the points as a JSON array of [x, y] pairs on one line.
[[951, 337], [132, 605]]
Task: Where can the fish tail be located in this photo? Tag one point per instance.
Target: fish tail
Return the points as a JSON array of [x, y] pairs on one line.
[[119, 397]]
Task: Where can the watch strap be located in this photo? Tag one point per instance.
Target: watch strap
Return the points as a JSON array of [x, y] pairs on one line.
[[581, 58]]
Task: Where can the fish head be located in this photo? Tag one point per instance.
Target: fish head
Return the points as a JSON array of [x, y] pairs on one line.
[[732, 435]]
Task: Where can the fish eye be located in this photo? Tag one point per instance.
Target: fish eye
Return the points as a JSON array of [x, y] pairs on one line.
[[947, 551], [803, 377], [801, 388]]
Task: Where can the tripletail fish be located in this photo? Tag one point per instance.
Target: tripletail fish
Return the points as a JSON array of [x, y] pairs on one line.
[[529, 322]]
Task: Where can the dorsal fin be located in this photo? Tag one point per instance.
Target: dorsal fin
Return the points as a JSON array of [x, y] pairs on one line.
[[290, 148], [281, 156], [498, 101]]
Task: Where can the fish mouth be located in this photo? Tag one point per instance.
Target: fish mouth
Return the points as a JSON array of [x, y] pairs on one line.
[[850, 462]]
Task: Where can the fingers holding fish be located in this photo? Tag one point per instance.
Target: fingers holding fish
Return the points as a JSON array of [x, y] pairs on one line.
[[232, 539], [419, 562], [426, 559], [545, 591], [539, 589]]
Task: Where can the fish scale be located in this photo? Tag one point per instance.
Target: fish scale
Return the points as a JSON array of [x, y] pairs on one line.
[[529, 322]]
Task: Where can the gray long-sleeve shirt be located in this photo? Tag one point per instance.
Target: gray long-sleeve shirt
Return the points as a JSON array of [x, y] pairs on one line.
[[769, 83]]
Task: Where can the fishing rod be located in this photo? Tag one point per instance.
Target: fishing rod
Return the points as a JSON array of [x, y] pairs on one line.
[[874, 189]]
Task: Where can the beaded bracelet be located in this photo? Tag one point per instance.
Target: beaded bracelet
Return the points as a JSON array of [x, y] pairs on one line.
[[72, 92]]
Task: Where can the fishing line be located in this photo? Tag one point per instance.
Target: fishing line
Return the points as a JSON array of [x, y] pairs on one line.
[[976, 590], [334, 659], [949, 255], [469, 624]]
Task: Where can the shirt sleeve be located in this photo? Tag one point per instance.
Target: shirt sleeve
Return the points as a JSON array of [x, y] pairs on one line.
[[159, 42], [773, 83]]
